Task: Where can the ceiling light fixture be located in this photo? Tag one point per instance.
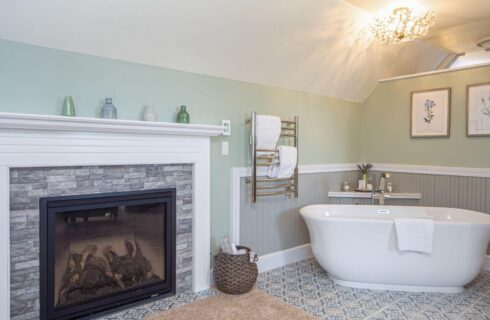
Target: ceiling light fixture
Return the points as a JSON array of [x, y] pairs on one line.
[[404, 24]]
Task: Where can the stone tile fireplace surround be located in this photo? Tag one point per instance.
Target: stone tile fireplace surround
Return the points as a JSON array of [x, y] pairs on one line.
[[49, 155], [27, 185]]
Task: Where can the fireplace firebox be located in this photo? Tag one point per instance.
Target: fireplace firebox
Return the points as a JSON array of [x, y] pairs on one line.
[[106, 250]]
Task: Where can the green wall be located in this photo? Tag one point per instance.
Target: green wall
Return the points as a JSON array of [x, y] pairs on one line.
[[386, 120], [35, 79]]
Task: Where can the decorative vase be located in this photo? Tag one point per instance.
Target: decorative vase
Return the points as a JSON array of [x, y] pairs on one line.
[[68, 107], [345, 186], [183, 115], [108, 110], [148, 113], [365, 177]]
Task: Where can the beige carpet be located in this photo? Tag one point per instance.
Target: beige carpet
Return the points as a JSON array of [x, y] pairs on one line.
[[256, 305]]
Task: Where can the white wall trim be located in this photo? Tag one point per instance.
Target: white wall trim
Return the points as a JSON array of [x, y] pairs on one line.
[[238, 173], [94, 142], [5, 238], [486, 266], [281, 258], [437, 170], [60, 123], [278, 259], [428, 73]]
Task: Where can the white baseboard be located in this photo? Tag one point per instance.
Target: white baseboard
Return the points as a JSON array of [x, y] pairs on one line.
[[278, 259], [281, 258], [486, 266]]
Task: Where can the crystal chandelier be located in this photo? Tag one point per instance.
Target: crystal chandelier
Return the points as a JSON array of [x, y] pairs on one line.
[[404, 24]]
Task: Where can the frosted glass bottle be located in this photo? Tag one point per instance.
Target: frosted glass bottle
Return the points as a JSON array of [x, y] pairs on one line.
[[149, 113], [68, 107], [108, 110]]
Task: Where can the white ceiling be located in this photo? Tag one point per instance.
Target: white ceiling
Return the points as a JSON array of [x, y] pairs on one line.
[[318, 46]]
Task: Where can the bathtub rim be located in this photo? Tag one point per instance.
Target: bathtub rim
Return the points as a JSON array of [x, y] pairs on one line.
[[388, 220]]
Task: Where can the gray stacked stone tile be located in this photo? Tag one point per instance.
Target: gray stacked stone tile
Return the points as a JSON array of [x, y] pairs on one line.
[[27, 185]]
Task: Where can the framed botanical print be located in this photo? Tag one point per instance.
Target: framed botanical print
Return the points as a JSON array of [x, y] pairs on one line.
[[430, 113], [478, 110]]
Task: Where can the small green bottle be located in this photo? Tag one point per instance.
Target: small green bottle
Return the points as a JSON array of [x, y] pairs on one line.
[[183, 115], [68, 107]]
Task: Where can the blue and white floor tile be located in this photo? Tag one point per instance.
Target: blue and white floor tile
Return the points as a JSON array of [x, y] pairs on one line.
[[306, 285], [309, 287], [140, 312]]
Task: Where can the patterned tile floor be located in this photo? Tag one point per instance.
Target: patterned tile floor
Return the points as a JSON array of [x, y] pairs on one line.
[[306, 285], [142, 311]]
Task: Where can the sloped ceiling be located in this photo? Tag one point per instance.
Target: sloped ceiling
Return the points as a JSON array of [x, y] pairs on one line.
[[318, 46]]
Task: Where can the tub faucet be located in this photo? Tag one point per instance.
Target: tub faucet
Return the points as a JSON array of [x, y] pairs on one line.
[[382, 181], [379, 193]]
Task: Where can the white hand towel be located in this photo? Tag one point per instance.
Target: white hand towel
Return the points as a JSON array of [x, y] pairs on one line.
[[287, 157], [414, 234], [268, 130]]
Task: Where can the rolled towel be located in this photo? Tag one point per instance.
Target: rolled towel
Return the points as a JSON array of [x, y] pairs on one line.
[[268, 130], [284, 167], [414, 234]]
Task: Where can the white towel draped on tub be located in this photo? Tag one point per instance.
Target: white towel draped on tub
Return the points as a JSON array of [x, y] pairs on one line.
[[268, 131], [414, 234], [287, 157]]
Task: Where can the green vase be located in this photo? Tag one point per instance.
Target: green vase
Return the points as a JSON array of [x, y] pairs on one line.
[[183, 115], [68, 107]]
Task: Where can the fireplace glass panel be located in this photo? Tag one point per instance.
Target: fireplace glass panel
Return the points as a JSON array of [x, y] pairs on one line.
[[106, 251]]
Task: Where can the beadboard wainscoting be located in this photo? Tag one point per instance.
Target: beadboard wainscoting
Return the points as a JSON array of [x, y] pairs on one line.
[[274, 224]]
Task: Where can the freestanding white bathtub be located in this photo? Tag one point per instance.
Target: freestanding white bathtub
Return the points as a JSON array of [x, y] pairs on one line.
[[356, 245]]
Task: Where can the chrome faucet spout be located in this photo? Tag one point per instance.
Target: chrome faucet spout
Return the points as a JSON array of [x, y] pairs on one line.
[[379, 193]]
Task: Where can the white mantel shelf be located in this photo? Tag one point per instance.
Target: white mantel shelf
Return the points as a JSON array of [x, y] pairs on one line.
[[356, 194], [28, 140], [82, 124]]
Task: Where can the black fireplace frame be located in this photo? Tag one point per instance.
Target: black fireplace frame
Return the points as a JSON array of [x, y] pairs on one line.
[[50, 206]]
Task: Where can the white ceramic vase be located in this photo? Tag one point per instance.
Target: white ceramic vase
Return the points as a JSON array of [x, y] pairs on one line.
[[149, 113]]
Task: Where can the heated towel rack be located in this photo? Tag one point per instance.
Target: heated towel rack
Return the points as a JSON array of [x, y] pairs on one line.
[[261, 184]]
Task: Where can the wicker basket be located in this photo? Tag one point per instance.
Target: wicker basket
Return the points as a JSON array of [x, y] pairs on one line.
[[235, 274]]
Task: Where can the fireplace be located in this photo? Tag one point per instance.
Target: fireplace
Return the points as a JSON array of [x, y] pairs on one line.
[[105, 250]]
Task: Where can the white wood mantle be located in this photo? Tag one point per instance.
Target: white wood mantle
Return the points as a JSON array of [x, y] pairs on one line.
[[57, 123], [49, 141]]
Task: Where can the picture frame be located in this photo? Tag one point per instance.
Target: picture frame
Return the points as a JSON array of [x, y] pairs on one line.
[[478, 110], [430, 113]]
